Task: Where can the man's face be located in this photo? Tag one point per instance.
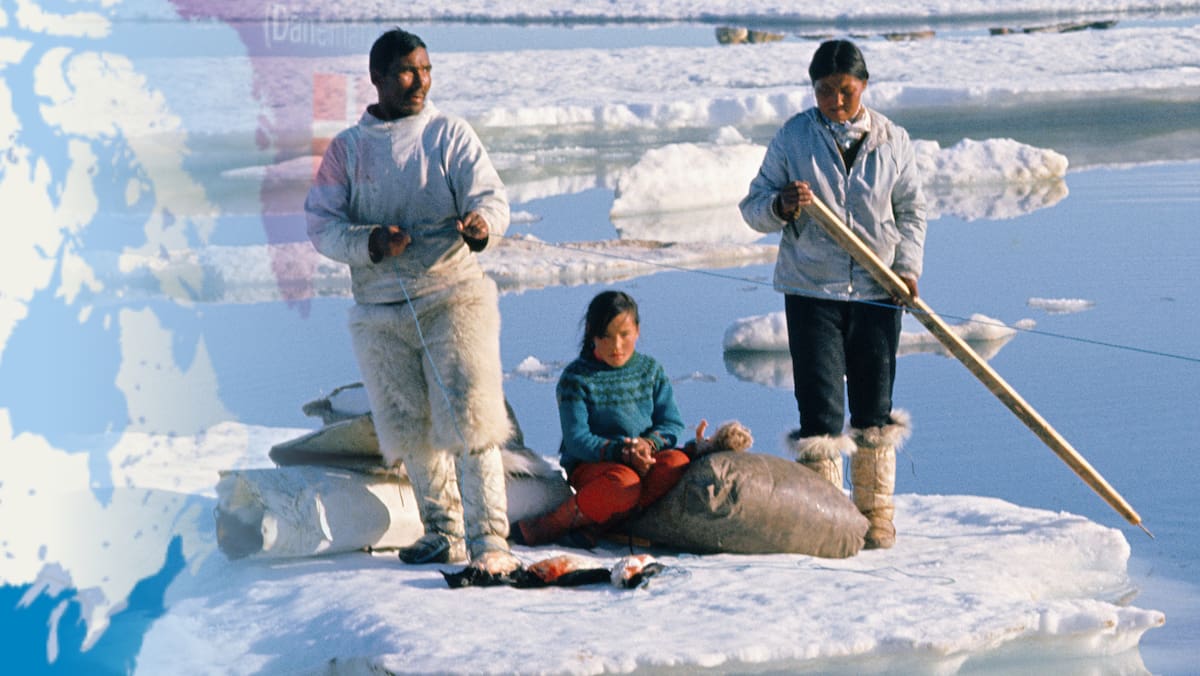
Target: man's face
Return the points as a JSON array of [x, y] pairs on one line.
[[403, 88]]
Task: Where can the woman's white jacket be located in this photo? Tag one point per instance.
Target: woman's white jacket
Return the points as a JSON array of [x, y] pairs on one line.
[[880, 198]]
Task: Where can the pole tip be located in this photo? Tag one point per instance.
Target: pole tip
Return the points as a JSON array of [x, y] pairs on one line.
[[1146, 530]]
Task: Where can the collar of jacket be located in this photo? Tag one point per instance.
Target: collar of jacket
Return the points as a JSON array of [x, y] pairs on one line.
[[428, 111], [881, 129]]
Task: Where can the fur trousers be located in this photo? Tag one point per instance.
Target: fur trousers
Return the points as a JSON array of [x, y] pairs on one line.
[[434, 381], [437, 384]]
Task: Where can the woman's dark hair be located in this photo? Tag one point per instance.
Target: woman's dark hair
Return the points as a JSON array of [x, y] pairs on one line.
[[605, 307], [837, 56], [391, 45]]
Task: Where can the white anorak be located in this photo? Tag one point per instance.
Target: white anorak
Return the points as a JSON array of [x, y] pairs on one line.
[[880, 198], [429, 310], [423, 173]]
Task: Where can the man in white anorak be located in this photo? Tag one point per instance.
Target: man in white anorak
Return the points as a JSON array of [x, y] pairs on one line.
[[406, 197]]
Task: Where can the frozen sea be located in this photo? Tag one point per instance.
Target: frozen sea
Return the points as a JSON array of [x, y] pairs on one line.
[[162, 318]]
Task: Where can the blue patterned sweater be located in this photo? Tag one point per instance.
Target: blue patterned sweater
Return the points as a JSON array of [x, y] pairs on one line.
[[599, 405]]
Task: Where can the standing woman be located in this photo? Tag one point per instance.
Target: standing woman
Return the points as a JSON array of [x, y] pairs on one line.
[[843, 329]]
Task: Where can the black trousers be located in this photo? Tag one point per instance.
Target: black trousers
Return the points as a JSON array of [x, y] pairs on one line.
[[840, 349]]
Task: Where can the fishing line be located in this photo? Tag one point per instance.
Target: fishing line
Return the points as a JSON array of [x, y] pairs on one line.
[[706, 562], [1050, 334], [587, 605], [437, 376], [881, 573], [805, 563], [758, 282]]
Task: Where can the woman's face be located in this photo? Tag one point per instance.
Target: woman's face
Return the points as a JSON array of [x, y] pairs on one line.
[[616, 346], [839, 96]]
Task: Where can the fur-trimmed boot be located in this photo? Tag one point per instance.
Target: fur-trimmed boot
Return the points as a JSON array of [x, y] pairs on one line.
[[440, 507], [485, 510], [873, 475], [822, 454], [551, 526]]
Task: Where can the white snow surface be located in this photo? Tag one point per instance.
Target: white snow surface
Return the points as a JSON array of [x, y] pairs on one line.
[[591, 91], [970, 579], [641, 10]]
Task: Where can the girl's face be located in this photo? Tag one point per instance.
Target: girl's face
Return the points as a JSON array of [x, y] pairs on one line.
[[616, 346]]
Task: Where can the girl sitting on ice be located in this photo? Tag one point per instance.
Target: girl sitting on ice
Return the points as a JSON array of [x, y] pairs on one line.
[[620, 425]]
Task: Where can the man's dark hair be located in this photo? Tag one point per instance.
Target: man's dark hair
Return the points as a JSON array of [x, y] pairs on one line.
[[837, 56], [391, 45]]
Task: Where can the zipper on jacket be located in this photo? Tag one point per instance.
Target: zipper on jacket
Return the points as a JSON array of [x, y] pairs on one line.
[[846, 170]]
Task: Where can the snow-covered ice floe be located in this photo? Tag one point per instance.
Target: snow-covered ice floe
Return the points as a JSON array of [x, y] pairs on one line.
[[1060, 306], [262, 273], [589, 104], [971, 581], [603, 90], [586, 12], [691, 190]]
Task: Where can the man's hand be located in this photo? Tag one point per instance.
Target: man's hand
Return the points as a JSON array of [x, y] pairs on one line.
[[474, 230], [388, 240]]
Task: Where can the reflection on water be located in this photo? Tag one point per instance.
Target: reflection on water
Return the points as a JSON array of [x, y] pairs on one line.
[[774, 369], [994, 201], [720, 224]]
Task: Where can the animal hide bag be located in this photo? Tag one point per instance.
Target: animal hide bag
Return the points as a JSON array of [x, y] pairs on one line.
[[748, 503]]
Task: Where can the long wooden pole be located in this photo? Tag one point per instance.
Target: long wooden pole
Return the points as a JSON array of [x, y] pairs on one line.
[[892, 283]]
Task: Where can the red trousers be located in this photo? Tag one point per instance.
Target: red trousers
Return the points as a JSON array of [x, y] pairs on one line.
[[607, 490]]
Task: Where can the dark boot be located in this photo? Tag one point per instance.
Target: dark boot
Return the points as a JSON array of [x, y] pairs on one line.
[[552, 526], [438, 502], [433, 548]]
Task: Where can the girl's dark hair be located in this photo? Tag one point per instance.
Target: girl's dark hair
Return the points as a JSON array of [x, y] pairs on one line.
[[604, 308], [390, 46], [837, 56]]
